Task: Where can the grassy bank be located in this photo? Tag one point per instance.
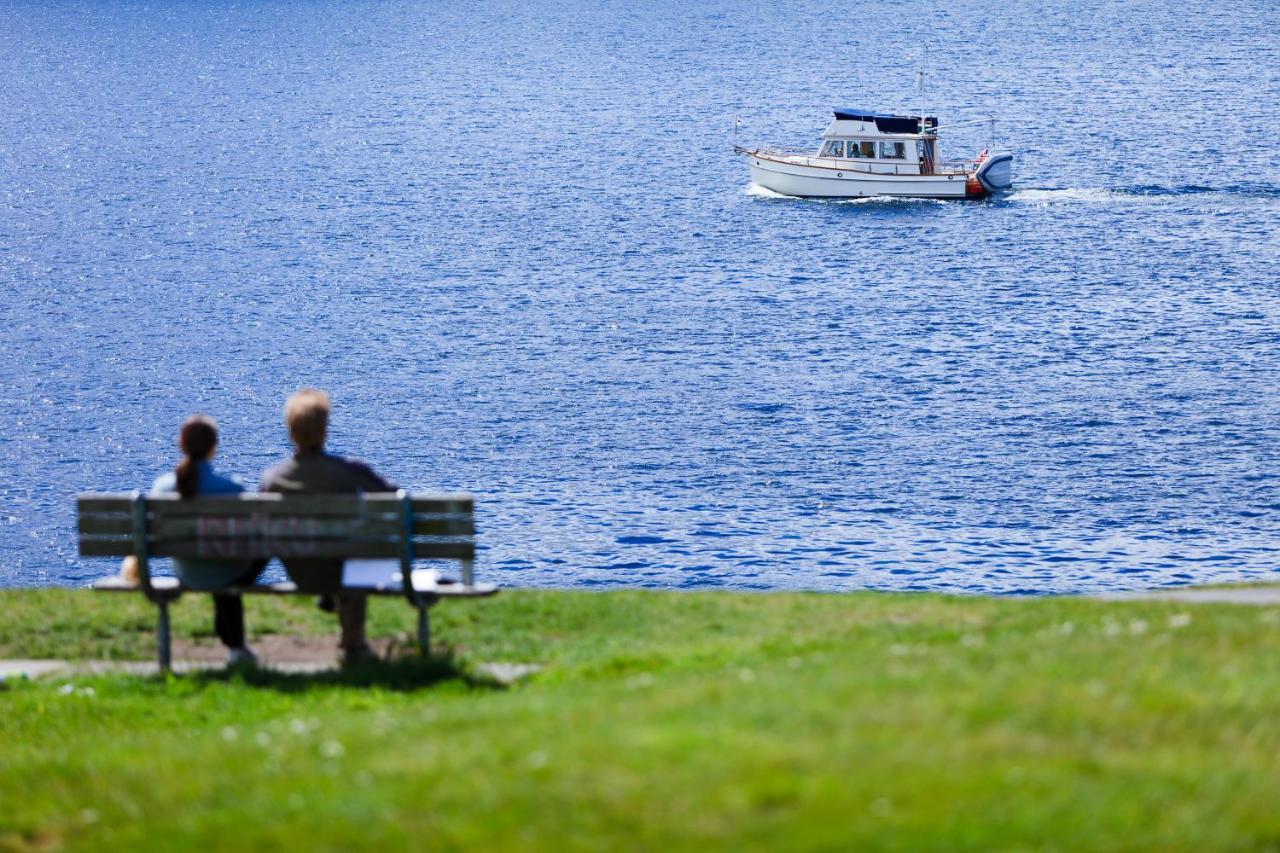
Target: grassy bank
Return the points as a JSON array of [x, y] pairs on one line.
[[664, 720]]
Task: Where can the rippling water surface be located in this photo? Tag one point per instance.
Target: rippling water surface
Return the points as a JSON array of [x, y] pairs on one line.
[[512, 241]]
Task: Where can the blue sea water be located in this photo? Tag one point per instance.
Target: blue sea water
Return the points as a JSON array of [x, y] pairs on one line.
[[512, 241]]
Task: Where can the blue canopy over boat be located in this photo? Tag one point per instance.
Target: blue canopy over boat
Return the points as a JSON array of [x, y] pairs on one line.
[[887, 122]]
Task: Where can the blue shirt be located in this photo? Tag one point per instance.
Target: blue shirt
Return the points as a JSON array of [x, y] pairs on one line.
[[208, 482], [204, 574]]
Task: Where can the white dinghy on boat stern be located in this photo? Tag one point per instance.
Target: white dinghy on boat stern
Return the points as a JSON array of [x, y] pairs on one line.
[[866, 154]]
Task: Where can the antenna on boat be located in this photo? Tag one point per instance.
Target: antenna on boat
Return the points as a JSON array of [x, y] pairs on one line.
[[920, 87], [736, 121]]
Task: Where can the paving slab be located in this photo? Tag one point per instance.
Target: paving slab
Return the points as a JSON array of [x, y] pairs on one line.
[[31, 668], [1265, 596], [503, 673], [39, 668]]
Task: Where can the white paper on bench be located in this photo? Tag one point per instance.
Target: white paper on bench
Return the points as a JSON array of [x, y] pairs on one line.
[[370, 573], [383, 574]]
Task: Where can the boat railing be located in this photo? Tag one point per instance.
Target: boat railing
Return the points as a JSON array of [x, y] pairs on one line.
[[783, 150], [805, 157]]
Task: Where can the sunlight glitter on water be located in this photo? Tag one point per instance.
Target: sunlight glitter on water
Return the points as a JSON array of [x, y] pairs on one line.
[[530, 268]]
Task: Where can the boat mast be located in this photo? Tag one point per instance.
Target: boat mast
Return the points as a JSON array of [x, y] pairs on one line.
[[927, 144], [920, 88]]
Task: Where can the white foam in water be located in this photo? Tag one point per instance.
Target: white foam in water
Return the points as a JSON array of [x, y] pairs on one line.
[[886, 199], [757, 191], [1079, 195]]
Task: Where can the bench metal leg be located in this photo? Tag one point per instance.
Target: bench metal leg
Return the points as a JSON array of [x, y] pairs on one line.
[[424, 630], [162, 634]]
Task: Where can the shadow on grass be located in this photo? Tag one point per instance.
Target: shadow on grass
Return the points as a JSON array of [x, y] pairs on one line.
[[405, 674]]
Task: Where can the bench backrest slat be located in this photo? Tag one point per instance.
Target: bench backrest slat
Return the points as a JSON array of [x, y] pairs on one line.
[[251, 550], [253, 525], [273, 503], [211, 524]]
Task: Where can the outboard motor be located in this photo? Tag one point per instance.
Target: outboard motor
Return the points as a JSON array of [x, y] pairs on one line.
[[995, 171]]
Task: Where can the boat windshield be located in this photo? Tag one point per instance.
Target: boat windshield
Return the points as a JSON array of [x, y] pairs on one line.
[[893, 150]]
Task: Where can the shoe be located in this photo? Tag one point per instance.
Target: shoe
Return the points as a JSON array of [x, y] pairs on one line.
[[356, 655], [326, 603], [241, 657]]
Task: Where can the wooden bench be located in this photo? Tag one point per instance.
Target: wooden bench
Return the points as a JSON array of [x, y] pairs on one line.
[[253, 526]]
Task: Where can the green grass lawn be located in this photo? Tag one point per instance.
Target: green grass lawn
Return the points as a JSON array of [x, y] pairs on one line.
[[663, 720]]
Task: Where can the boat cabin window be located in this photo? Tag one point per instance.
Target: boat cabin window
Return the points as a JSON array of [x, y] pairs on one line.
[[893, 150], [834, 148], [867, 148]]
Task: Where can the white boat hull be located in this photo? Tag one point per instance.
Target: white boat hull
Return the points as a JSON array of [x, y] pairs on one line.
[[797, 179]]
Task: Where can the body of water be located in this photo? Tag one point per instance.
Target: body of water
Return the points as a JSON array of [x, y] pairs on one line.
[[513, 243]]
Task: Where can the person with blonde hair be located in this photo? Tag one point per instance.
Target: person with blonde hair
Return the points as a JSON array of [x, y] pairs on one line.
[[313, 471]]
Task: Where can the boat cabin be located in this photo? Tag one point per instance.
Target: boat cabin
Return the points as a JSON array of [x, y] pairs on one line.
[[881, 143], [866, 155]]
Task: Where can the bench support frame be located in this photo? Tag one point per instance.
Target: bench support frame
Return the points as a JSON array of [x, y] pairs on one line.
[[162, 635], [415, 598], [128, 525], [141, 554], [424, 630]]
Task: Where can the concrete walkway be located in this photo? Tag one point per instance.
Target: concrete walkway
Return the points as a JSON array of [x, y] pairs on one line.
[[503, 673], [38, 668], [1264, 596]]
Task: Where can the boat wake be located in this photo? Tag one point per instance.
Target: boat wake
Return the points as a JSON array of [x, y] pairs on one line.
[[1042, 197], [1243, 190], [1140, 194]]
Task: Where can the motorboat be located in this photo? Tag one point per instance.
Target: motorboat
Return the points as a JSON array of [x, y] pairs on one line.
[[865, 154]]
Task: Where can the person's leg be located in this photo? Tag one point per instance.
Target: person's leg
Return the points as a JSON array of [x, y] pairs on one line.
[[228, 610], [228, 620], [351, 615], [325, 577]]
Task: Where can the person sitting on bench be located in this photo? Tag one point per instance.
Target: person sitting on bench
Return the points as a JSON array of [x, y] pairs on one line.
[[312, 471], [194, 475]]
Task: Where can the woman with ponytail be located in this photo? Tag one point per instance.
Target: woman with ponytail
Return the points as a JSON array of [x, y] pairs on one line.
[[194, 475]]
